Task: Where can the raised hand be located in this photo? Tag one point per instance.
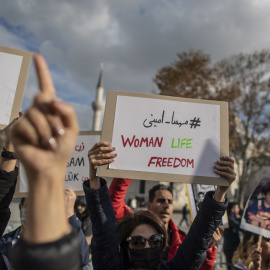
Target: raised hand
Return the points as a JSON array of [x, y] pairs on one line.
[[256, 257], [217, 235], [45, 136], [8, 164], [44, 139], [70, 198], [224, 167], [100, 154]]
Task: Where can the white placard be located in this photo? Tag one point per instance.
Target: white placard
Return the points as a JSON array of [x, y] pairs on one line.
[[77, 167], [196, 194], [165, 136], [10, 66], [258, 205]]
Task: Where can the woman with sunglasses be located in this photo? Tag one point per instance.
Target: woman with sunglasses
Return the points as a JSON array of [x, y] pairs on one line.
[[140, 238], [248, 255]]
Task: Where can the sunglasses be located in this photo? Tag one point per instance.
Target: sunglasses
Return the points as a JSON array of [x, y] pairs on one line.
[[139, 242], [266, 239]]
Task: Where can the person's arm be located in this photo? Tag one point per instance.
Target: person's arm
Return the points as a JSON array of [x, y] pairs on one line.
[[192, 253], [104, 246], [44, 140], [8, 177], [118, 190], [211, 252], [70, 198], [260, 221]]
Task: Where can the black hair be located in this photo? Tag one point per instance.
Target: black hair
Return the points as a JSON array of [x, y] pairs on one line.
[[152, 191], [231, 205]]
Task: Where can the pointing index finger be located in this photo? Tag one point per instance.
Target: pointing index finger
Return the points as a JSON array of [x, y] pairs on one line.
[[44, 76]]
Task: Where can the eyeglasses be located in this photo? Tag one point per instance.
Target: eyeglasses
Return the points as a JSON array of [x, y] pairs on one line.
[[139, 242]]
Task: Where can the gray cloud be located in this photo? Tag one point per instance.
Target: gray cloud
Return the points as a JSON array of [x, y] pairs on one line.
[[133, 39]]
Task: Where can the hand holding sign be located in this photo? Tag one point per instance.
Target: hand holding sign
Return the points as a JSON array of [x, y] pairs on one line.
[[256, 257], [100, 154], [225, 168]]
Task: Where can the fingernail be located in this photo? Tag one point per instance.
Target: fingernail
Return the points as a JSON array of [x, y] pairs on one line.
[[115, 154], [50, 143], [114, 148], [58, 130]]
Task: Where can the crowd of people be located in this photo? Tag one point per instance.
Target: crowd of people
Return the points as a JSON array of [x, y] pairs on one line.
[[53, 236]]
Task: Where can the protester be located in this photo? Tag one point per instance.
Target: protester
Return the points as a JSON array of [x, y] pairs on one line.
[[44, 139], [8, 179], [184, 216], [8, 240], [231, 234], [248, 255], [161, 203], [83, 214], [105, 249]]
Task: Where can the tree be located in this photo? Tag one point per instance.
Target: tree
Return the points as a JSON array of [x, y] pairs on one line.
[[243, 81]]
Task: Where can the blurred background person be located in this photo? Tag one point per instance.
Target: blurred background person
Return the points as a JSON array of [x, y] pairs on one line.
[[248, 255], [231, 235], [83, 214]]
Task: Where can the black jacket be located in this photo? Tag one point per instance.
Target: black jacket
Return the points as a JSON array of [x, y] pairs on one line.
[[8, 182], [105, 251]]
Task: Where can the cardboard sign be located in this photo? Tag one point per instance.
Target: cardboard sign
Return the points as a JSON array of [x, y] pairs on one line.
[[256, 216], [77, 167], [14, 68], [165, 138], [196, 193]]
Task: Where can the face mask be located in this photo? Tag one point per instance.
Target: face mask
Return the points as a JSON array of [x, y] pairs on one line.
[[147, 258], [23, 216]]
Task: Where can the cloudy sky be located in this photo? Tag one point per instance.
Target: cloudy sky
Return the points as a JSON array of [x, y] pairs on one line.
[[133, 38]]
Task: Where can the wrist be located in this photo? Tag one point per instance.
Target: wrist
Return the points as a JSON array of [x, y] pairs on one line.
[[219, 196], [9, 147], [94, 183], [46, 177]]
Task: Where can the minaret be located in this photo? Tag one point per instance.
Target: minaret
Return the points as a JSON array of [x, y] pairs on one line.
[[98, 104]]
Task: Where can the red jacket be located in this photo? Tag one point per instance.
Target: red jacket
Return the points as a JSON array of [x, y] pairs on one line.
[[118, 189]]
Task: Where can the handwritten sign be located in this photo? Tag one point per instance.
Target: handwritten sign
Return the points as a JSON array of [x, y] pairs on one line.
[[196, 194], [160, 138], [14, 67], [77, 166], [256, 216]]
